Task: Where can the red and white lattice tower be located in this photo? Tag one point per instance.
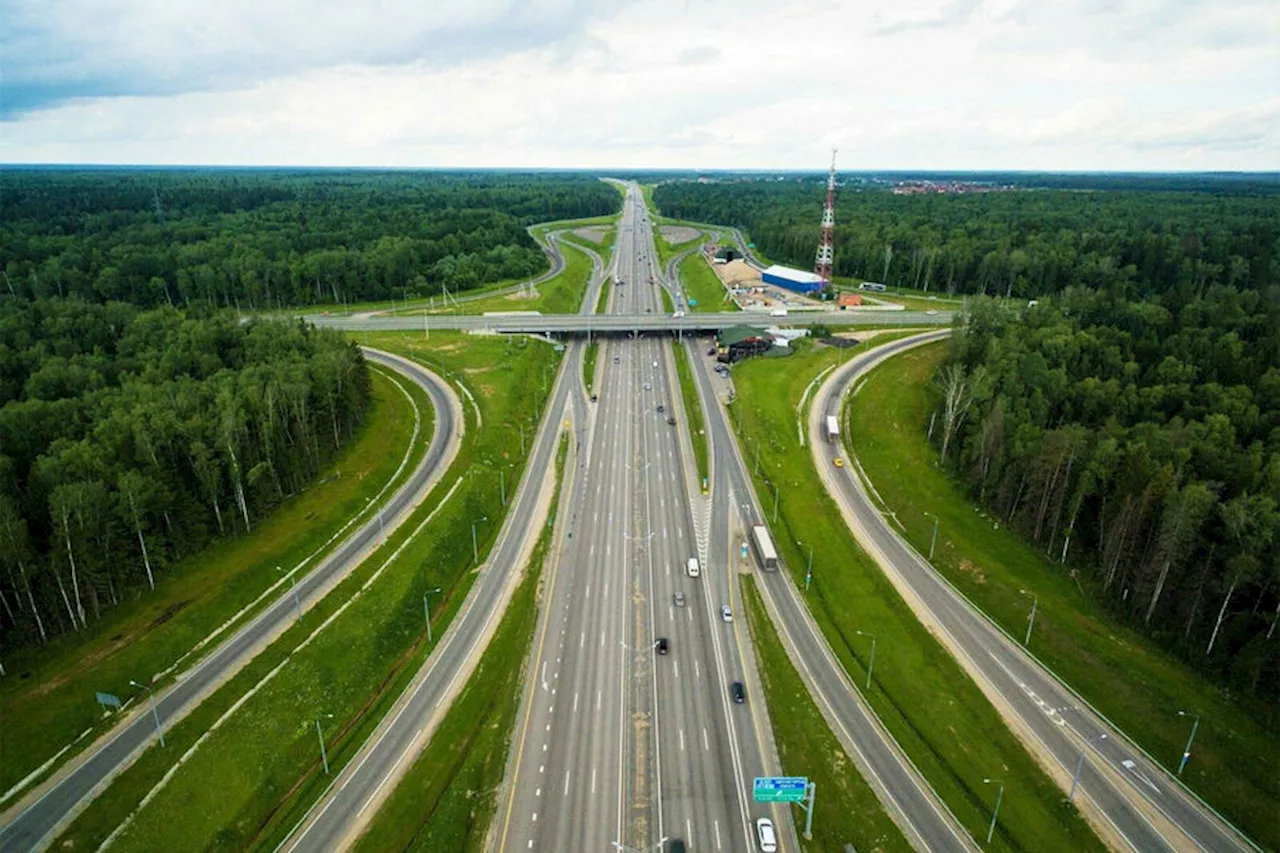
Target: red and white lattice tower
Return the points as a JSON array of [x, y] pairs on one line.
[[822, 265]]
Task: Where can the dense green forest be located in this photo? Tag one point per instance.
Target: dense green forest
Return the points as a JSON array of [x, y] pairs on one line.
[[259, 239], [1138, 443], [131, 438], [1023, 243]]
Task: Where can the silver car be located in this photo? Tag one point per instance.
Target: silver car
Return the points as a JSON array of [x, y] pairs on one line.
[[679, 599], [725, 613]]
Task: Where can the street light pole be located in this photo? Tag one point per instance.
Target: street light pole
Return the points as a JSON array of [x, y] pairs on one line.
[[1075, 778], [294, 586], [426, 610], [934, 540], [871, 664], [475, 549], [502, 484], [324, 756], [808, 571], [154, 713], [1186, 752], [1031, 620], [991, 830], [776, 492]]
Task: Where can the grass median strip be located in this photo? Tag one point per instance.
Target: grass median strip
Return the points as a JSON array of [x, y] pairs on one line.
[[1116, 669], [849, 812], [48, 699], [256, 772], [693, 411], [447, 797], [702, 286], [589, 366], [934, 711]]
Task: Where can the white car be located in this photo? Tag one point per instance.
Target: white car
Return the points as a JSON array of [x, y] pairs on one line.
[[766, 836], [725, 613]]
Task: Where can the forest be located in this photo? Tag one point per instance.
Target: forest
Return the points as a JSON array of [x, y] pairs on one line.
[[1018, 243], [130, 438], [1137, 442], [271, 238]]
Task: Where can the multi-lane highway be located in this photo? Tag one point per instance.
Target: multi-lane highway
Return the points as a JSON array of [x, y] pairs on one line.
[[32, 823], [617, 743], [1134, 802]]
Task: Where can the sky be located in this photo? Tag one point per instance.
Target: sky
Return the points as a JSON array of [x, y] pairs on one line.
[[1149, 85]]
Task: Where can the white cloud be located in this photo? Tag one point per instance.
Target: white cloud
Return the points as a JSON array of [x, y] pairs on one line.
[[1122, 84]]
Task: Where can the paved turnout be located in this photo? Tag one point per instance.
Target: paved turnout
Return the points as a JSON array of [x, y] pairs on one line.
[[616, 744], [33, 823], [1139, 801]]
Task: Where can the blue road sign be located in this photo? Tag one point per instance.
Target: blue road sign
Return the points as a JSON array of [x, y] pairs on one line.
[[780, 789]]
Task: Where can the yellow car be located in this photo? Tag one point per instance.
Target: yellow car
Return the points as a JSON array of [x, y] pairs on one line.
[[839, 462]]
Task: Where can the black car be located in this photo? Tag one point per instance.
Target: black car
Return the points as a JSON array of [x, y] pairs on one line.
[[675, 845], [593, 398], [659, 407], [671, 421], [738, 692], [661, 645]]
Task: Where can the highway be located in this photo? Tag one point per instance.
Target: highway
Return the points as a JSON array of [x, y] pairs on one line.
[[33, 823], [352, 799], [1134, 803], [615, 743], [910, 802]]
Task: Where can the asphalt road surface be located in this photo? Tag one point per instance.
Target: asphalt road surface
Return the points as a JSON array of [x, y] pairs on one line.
[[615, 743], [1143, 804], [33, 823]]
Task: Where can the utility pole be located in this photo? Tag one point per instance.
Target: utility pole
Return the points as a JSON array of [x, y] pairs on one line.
[[808, 570], [996, 812], [934, 540], [324, 755], [871, 664], [294, 586], [475, 550]]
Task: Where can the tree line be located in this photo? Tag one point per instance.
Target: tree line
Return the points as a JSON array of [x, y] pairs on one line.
[[1019, 243], [258, 239], [131, 438], [1137, 442]]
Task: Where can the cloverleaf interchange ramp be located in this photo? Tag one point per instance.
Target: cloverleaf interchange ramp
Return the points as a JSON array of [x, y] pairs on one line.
[[32, 823], [1132, 801]]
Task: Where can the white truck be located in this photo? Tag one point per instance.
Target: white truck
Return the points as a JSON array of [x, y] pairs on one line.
[[778, 312], [694, 568], [833, 429], [764, 547]]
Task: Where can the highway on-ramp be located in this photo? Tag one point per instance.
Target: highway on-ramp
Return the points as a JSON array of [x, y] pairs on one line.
[[31, 824], [1134, 802]]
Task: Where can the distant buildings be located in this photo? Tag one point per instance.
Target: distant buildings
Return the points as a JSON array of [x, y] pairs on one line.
[[848, 300]]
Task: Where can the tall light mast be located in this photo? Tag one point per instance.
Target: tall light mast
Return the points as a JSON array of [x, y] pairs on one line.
[[822, 265]]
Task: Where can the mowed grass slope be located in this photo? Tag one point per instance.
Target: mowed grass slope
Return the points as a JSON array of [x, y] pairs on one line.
[[939, 717], [257, 773], [847, 811], [1236, 754], [447, 797], [47, 699]]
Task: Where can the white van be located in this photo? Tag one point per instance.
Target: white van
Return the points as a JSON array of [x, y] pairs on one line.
[[694, 568]]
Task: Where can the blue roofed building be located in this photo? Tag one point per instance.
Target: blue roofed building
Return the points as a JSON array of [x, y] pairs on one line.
[[793, 279]]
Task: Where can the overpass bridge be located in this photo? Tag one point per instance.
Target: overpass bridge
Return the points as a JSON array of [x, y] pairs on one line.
[[582, 325]]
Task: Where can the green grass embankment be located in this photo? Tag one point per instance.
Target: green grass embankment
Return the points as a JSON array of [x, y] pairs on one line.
[[934, 711], [703, 286], [847, 811], [667, 305], [589, 366], [668, 250], [1139, 687], [257, 773], [602, 300], [447, 797], [47, 700], [693, 412]]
